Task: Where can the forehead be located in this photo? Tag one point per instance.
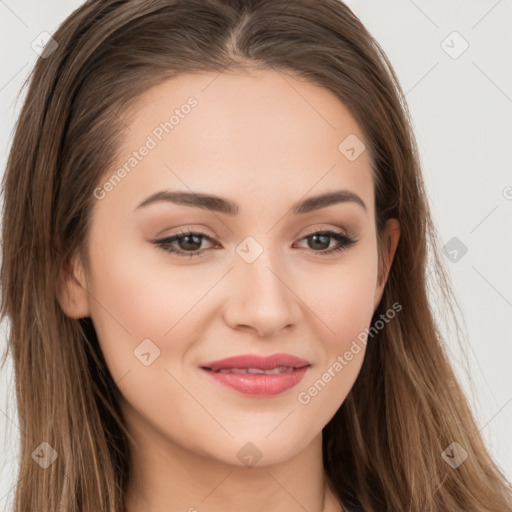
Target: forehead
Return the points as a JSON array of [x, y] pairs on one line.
[[262, 136]]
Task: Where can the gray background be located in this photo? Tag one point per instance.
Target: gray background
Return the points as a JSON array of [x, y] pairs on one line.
[[461, 104]]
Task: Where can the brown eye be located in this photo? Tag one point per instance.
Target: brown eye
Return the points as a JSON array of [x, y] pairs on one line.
[[320, 241], [188, 243]]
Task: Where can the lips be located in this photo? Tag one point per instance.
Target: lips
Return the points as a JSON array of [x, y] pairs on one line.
[[255, 364], [263, 376]]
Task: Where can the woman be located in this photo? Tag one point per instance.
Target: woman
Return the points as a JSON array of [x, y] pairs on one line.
[[287, 359]]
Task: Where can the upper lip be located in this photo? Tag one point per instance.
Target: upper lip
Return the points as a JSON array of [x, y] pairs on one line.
[[256, 361]]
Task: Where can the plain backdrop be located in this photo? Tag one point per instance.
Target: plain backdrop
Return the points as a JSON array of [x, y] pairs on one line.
[[453, 60]]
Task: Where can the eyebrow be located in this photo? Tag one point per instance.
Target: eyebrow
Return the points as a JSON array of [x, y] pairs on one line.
[[228, 207]]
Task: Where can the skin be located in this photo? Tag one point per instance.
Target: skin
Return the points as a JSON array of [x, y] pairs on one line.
[[264, 140]]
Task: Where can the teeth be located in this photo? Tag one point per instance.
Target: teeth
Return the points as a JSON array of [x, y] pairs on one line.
[[255, 371]]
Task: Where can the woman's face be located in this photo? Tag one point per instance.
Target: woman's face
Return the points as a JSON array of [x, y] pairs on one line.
[[262, 284]]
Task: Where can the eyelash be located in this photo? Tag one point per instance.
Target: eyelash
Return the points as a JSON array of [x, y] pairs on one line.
[[165, 244]]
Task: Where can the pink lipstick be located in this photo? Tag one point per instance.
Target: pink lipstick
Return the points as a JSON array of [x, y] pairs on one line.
[[258, 375]]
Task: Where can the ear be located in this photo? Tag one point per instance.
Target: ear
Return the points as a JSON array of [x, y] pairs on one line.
[[390, 239], [72, 293]]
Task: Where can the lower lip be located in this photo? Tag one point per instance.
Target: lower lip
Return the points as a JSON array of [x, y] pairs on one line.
[[259, 384]]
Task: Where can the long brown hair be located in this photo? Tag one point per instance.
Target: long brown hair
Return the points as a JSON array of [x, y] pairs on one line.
[[382, 449]]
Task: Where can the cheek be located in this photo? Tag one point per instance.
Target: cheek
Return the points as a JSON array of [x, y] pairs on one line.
[[345, 308], [350, 305], [147, 297], [137, 295], [341, 297]]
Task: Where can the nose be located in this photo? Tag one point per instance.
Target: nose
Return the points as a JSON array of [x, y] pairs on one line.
[[261, 297]]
